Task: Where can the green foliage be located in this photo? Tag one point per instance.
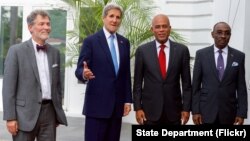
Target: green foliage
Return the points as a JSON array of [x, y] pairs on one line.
[[5, 30], [58, 23], [135, 24]]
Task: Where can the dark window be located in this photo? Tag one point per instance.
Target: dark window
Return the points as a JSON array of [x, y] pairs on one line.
[[11, 25]]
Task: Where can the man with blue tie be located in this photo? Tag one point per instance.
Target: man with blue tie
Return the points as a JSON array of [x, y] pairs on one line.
[[219, 86], [104, 64]]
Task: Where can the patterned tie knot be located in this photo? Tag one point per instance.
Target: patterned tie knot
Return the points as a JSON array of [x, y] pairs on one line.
[[43, 47]]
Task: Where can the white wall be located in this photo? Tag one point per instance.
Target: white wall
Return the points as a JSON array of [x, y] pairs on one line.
[[190, 18], [246, 49], [1, 84], [232, 12]]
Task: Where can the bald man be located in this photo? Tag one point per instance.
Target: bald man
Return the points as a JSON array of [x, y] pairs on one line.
[[219, 86], [162, 81]]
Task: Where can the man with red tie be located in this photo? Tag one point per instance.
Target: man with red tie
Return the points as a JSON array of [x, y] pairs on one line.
[[161, 70]]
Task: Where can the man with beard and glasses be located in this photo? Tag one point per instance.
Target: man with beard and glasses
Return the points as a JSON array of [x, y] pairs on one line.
[[32, 94]]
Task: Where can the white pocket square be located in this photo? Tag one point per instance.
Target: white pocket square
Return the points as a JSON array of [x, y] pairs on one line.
[[234, 64], [54, 65]]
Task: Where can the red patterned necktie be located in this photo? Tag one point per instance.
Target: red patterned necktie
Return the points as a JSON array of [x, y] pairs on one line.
[[43, 47], [162, 61]]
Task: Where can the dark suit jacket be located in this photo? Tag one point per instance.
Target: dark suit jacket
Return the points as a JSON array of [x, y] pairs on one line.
[[22, 93], [153, 94], [107, 93], [212, 97]]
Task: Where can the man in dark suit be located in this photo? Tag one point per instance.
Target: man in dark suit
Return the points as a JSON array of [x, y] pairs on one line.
[[104, 64], [157, 93], [219, 87], [32, 95]]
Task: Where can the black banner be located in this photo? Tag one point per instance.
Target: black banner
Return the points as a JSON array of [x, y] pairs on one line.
[[179, 133]]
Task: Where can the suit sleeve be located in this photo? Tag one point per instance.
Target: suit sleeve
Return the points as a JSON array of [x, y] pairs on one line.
[[186, 81], [10, 85], [197, 74], [242, 90], [59, 84], [128, 76], [138, 80]]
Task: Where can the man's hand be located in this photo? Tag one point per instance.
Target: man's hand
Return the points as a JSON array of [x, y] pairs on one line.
[[12, 126], [140, 117], [197, 119], [184, 117], [238, 121], [87, 73], [127, 109]]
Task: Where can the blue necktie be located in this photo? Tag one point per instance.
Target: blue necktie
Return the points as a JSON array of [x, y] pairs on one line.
[[113, 53], [220, 64]]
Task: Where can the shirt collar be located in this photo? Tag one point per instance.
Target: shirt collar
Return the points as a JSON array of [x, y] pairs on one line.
[[107, 34], [167, 44], [35, 43], [225, 49]]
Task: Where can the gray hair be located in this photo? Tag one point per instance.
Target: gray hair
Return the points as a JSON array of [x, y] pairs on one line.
[[34, 14], [110, 6]]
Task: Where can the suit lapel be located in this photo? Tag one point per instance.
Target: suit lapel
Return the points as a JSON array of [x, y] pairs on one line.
[[121, 47], [230, 57], [32, 58], [155, 60], [172, 57], [211, 61], [105, 47], [50, 60]]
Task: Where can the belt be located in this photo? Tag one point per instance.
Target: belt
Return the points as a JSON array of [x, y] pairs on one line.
[[47, 101]]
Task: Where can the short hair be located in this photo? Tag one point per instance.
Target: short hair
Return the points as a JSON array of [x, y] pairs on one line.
[[221, 23], [32, 16], [110, 6]]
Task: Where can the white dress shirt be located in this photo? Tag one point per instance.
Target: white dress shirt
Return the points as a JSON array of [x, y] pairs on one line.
[[43, 70]]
